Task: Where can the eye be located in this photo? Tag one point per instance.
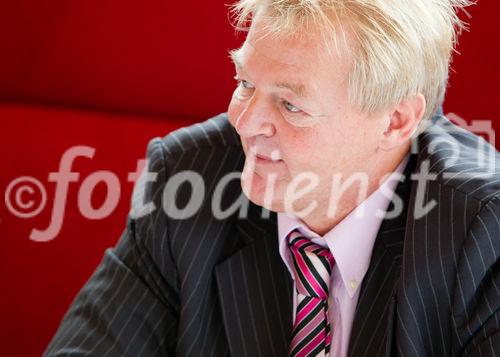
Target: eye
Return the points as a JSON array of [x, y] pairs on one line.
[[290, 107], [243, 83]]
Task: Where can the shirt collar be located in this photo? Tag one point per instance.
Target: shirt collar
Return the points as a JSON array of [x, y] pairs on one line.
[[351, 240]]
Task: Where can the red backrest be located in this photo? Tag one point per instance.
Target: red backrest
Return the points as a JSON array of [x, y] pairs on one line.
[[155, 57]]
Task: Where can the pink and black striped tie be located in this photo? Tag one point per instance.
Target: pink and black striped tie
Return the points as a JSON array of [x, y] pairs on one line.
[[312, 266]]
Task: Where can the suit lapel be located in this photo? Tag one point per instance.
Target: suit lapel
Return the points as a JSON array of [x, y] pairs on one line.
[[255, 290], [372, 330]]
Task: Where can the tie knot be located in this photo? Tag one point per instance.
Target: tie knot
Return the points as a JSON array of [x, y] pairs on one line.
[[312, 266]]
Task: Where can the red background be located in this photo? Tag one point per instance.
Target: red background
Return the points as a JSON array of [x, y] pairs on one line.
[[111, 75]]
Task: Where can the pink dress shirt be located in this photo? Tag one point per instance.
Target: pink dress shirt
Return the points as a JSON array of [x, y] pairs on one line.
[[351, 243]]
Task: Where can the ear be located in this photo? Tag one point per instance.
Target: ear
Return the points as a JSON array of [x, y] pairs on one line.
[[403, 122]]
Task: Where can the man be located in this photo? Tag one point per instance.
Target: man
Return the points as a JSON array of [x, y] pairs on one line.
[[380, 229]]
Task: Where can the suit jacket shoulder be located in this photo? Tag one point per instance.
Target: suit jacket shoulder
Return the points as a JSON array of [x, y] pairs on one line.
[[460, 160], [449, 294], [213, 132]]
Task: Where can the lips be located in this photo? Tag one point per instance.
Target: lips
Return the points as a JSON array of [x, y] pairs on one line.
[[264, 165], [267, 158], [253, 153]]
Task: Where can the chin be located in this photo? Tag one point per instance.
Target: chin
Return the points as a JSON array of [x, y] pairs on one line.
[[255, 190]]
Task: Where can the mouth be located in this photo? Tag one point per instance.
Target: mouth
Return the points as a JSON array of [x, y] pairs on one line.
[[262, 159], [264, 165], [271, 159]]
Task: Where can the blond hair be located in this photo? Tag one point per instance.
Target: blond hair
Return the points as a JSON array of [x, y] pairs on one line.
[[403, 47]]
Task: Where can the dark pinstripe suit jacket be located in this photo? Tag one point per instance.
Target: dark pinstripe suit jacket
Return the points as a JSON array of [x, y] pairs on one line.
[[207, 287]]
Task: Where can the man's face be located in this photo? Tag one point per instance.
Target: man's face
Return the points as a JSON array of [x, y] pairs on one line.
[[291, 105]]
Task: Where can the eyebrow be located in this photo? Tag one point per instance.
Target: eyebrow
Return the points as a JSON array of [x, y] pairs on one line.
[[297, 88]]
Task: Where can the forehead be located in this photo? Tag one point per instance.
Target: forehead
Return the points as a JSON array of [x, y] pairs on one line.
[[302, 56], [283, 62], [288, 51]]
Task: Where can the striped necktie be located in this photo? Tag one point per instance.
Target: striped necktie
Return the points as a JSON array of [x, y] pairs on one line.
[[312, 267]]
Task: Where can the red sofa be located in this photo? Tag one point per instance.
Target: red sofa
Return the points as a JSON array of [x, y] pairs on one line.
[[110, 75]]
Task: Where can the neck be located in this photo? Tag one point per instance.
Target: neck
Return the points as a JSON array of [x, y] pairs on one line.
[[321, 220]]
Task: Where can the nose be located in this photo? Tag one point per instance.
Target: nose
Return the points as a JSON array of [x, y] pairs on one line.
[[255, 119]]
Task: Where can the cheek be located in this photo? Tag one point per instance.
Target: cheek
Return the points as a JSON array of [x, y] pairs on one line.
[[299, 152], [317, 151]]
